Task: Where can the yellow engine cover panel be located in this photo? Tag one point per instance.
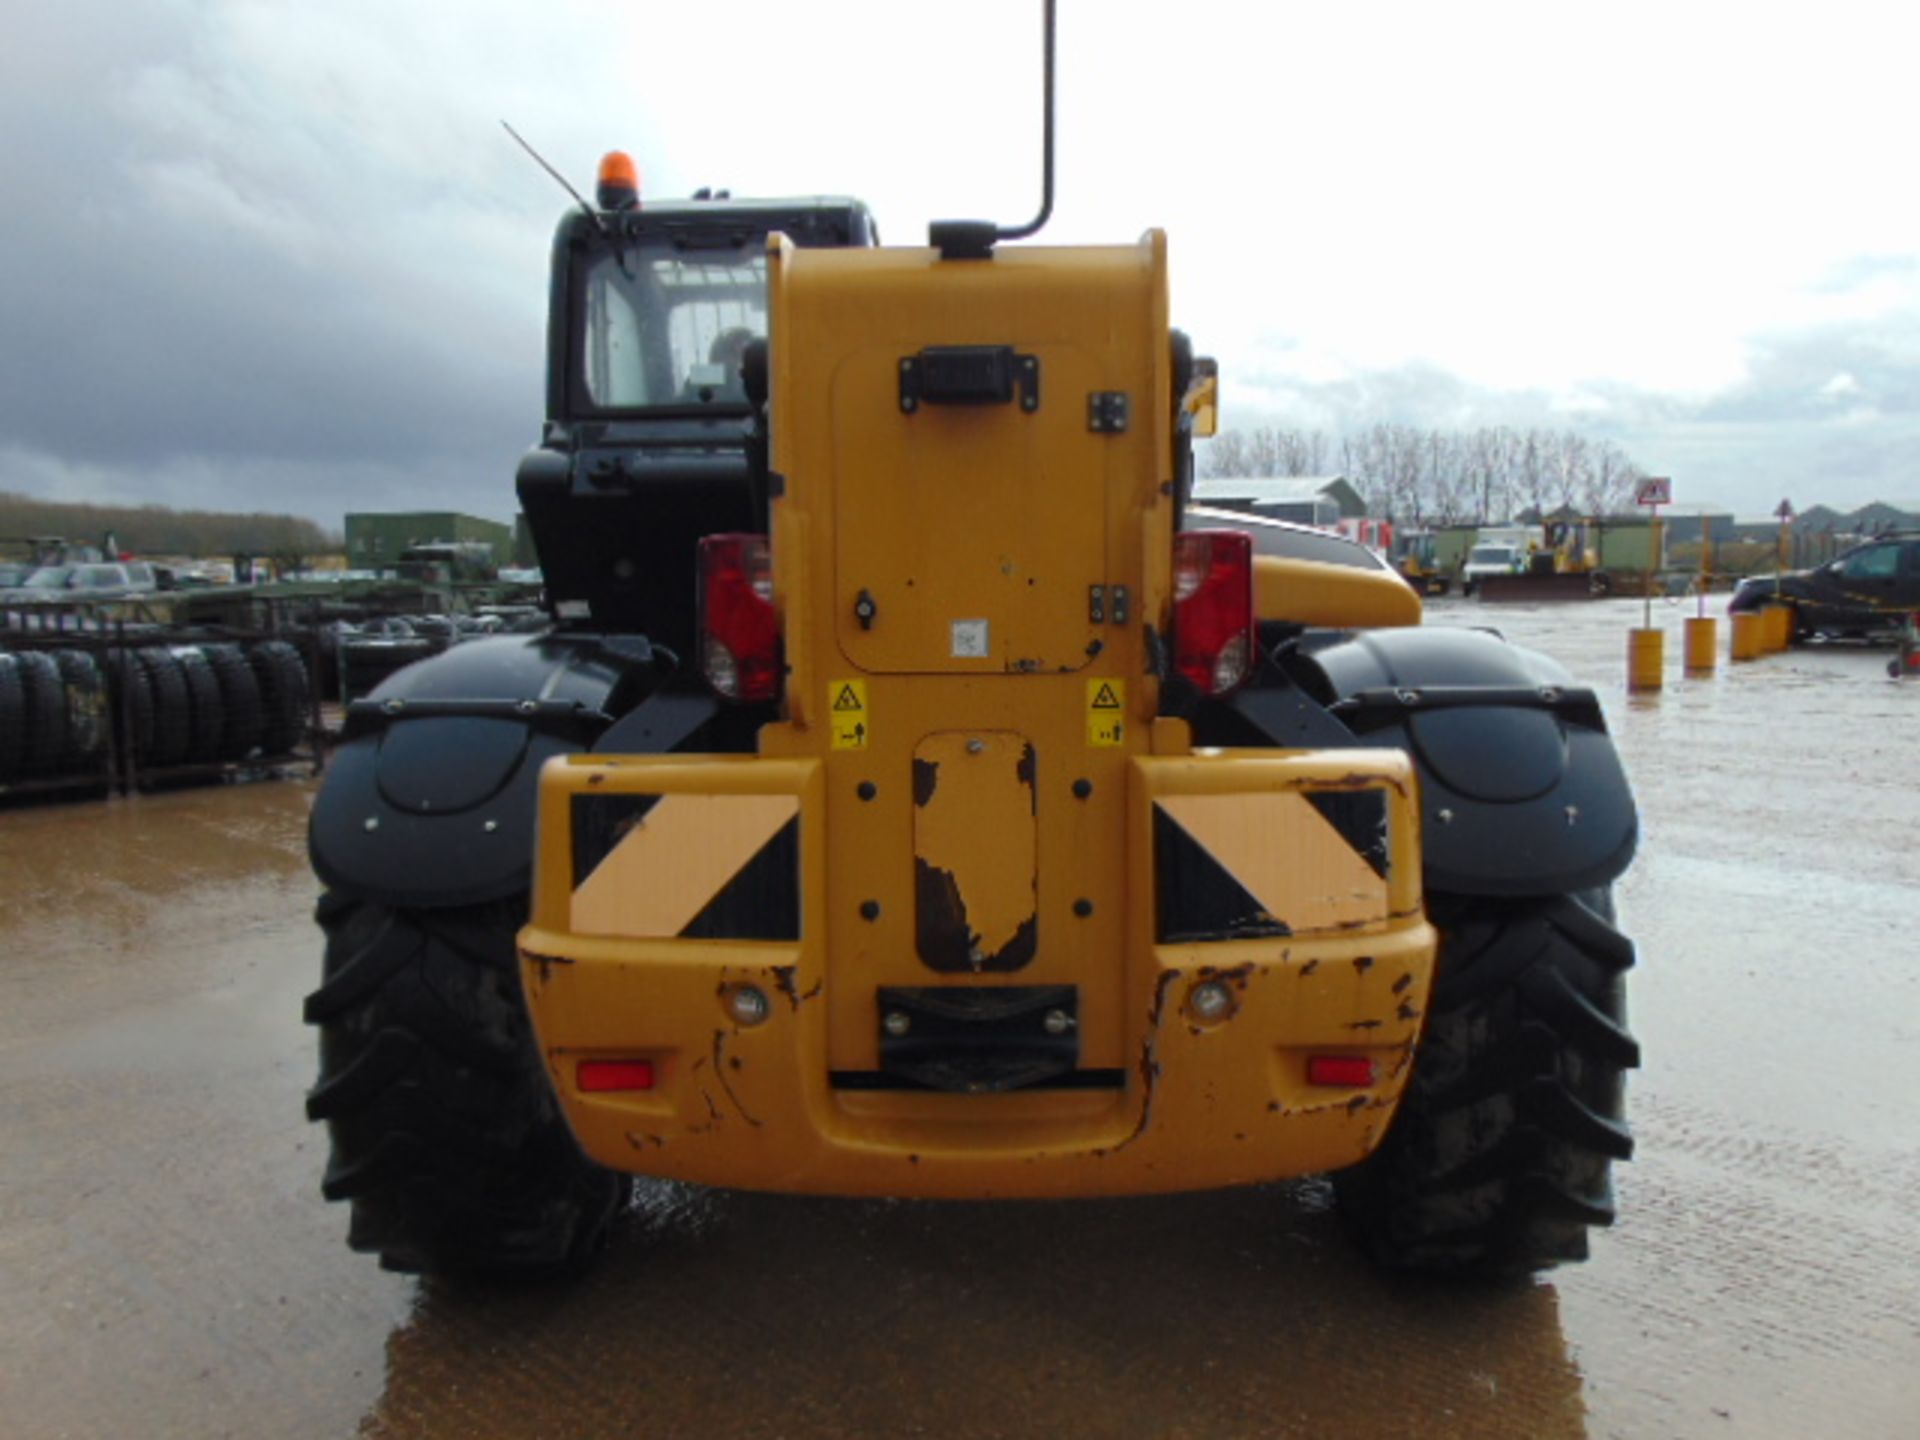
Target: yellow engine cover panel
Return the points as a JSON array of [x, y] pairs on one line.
[[915, 535], [977, 532]]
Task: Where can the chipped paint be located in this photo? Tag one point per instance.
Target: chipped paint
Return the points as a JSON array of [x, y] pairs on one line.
[[720, 1074], [975, 864], [1148, 1066], [544, 963]]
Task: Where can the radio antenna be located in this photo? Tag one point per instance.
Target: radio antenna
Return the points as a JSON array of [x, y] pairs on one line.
[[540, 160]]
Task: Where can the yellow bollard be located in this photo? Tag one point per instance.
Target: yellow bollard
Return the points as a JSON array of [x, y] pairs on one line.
[[1700, 644], [1744, 643], [1778, 628], [1646, 658]]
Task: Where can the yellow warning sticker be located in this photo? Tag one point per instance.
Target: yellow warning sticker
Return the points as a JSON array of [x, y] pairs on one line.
[[847, 710], [1106, 705]]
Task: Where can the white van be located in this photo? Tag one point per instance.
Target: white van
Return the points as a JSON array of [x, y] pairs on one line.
[[1495, 558]]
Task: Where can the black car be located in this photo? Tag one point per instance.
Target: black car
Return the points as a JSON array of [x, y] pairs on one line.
[[1871, 587]]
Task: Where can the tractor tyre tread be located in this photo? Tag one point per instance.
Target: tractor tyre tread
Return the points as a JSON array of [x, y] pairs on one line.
[[1499, 1160], [446, 1137]]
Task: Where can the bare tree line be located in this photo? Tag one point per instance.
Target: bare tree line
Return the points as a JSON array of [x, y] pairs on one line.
[[1443, 477], [155, 530]]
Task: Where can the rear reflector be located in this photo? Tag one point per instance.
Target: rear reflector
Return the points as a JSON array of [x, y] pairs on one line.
[[1351, 1071], [598, 1075]]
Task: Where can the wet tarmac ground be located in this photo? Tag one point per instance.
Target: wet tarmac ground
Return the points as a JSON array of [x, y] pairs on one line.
[[167, 1267]]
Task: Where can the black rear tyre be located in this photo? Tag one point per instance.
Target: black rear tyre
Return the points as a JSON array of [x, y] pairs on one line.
[[1499, 1160], [446, 1136]]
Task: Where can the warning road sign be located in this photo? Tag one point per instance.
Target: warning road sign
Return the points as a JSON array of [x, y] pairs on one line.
[[1653, 490], [1106, 704], [847, 710]]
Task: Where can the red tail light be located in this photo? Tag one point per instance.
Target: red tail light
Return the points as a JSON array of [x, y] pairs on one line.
[[597, 1077], [1213, 638], [739, 628], [1350, 1071]]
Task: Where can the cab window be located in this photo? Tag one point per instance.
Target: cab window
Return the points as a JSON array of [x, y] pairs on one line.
[[666, 327]]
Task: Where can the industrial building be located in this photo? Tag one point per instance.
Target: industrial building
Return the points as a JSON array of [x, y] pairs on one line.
[[374, 541]]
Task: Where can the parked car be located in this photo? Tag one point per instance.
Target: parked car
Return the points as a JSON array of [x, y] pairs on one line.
[[93, 580], [1869, 588]]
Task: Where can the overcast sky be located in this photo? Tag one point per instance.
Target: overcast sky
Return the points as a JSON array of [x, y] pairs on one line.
[[280, 255]]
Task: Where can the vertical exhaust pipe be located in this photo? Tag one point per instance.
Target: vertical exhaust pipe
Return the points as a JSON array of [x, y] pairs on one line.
[[975, 239]]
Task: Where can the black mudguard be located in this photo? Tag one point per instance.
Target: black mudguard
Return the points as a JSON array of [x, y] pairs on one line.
[[431, 799], [1521, 790]]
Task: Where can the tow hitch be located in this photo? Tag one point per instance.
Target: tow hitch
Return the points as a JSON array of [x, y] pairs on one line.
[[977, 1040]]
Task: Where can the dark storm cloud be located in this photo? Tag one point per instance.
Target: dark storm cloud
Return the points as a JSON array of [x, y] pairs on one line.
[[279, 256], [209, 290]]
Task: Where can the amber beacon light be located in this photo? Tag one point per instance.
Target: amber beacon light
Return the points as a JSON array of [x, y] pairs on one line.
[[618, 187]]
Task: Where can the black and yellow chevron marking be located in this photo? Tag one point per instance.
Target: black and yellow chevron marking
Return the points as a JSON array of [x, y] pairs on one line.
[[687, 866], [1232, 866]]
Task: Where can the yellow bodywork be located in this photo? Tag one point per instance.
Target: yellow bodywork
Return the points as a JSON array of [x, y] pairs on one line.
[[970, 787], [1311, 592]]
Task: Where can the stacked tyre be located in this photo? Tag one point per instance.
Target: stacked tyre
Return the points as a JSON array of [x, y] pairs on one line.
[[214, 703], [162, 705], [53, 706], [281, 676]]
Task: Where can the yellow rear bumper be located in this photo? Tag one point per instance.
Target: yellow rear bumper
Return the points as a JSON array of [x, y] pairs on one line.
[[1196, 1104]]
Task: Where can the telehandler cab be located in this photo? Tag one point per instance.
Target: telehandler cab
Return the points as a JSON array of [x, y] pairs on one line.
[[922, 811]]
